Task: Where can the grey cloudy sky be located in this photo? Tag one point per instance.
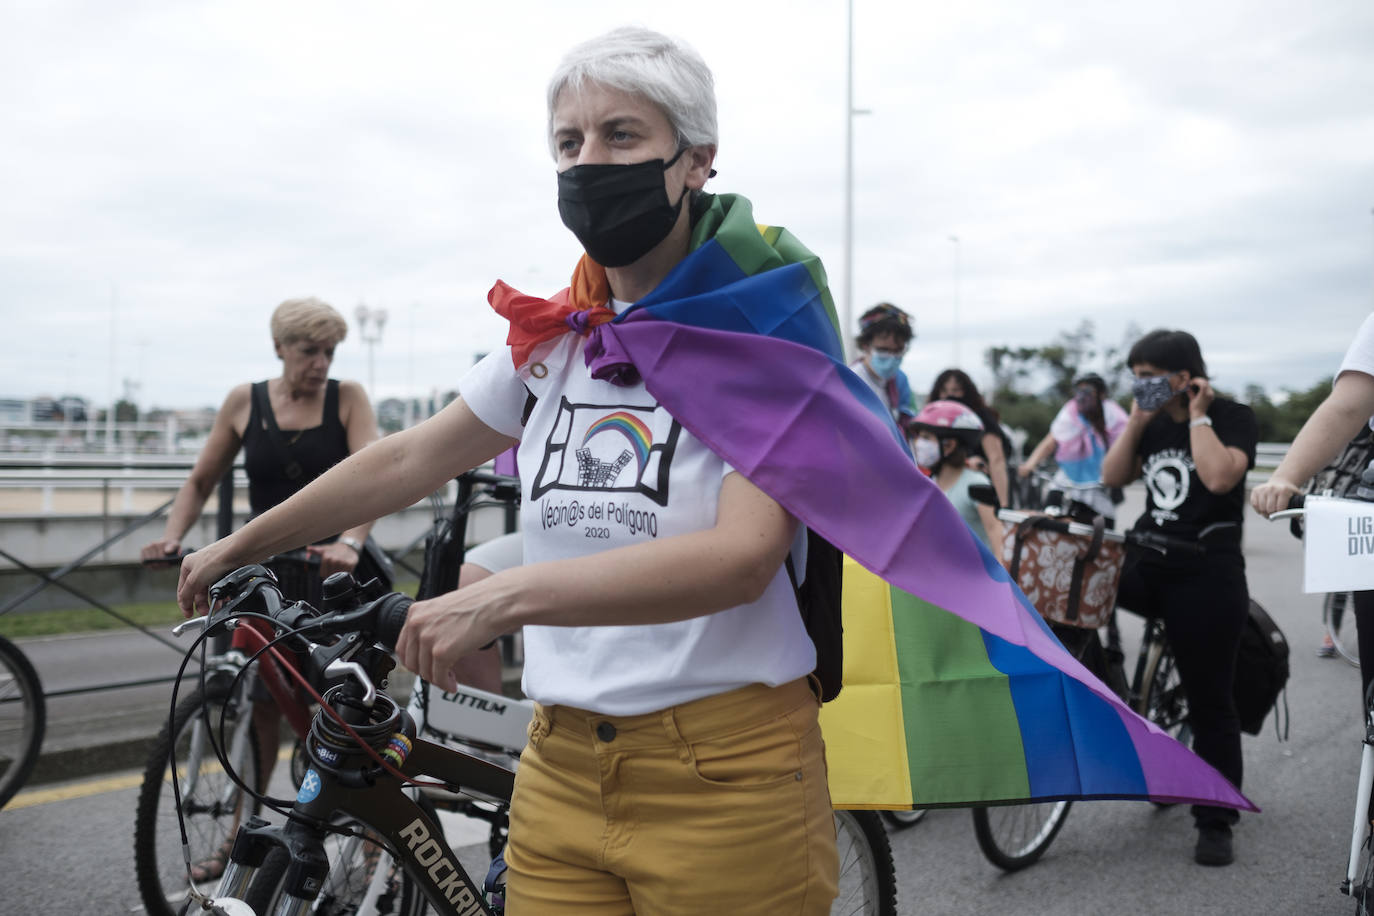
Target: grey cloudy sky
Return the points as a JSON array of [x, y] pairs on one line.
[[170, 171]]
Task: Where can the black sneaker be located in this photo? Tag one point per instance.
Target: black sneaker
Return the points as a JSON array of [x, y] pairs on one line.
[[1214, 846]]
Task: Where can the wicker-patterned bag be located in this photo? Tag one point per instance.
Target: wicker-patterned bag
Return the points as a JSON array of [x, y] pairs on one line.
[[1070, 579]]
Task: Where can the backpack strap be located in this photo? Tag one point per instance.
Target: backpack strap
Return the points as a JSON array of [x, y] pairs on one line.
[[290, 466]]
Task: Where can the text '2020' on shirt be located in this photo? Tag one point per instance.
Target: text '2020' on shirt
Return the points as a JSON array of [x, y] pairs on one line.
[[604, 466]]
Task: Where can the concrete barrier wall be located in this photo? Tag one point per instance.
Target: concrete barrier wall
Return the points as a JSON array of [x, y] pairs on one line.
[[115, 575]]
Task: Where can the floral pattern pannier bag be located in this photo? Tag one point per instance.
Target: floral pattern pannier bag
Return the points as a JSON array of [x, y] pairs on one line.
[[1070, 579]]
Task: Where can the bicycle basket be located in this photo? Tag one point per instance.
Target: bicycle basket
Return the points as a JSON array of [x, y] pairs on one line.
[[1070, 579]]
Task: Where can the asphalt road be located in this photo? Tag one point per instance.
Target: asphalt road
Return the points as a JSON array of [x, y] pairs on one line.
[[66, 847]]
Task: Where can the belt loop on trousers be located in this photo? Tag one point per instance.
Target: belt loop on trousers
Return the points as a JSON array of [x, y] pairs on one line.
[[684, 752], [540, 724]]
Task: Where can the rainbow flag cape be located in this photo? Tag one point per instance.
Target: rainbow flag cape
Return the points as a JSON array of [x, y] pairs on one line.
[[968, 697]]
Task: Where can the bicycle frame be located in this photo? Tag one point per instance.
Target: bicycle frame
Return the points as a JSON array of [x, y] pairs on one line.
[[418, 843]]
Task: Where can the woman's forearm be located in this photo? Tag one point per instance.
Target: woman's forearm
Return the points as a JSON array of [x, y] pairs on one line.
[[1334, 423], [1118, 465]]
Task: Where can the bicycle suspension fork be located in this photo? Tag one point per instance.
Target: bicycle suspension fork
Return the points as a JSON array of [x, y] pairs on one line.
[[1359, 831]]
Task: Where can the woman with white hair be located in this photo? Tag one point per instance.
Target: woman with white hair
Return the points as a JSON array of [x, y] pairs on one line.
[[292, 429], [675, 760]]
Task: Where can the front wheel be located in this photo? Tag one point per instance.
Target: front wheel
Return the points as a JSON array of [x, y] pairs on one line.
[[901, 820], [212, 804], [868, 880], [1015, 836], [364, 878], [23, 717]]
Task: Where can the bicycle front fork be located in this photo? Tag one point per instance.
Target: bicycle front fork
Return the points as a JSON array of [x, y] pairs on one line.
[[1359, 831]]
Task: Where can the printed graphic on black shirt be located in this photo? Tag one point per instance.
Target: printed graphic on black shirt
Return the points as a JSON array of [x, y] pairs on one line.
[[1168, 474], [607, 448]]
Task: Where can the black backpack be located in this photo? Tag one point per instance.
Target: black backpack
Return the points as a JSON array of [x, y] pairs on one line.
[[818, 599], [1261, 671]]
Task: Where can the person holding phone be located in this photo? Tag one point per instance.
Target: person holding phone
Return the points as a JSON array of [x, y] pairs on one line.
[[1193, 450]]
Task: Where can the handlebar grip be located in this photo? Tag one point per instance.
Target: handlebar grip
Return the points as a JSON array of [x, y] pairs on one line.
[[391, 618]]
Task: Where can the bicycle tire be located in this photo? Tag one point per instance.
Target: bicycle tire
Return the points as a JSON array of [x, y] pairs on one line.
[[1340, 627], [346, 885], [1162, 699], [903, 820], [868, 879], [1016, 836], [212, 811], [23, 719]]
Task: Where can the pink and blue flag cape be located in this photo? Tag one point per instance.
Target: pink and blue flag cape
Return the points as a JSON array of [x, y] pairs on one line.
[[740, 344]]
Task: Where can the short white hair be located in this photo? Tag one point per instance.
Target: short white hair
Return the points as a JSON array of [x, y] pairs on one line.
[[643, 62]]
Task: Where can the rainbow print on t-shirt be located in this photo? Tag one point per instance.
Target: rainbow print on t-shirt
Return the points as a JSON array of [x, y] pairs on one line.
[[629, 426]]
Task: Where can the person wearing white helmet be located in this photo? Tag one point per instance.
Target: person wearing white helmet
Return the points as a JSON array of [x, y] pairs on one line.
[[947, 433]]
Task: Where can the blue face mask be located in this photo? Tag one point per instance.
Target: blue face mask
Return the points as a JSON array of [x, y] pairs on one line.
[[1152, 393], [884, 365]]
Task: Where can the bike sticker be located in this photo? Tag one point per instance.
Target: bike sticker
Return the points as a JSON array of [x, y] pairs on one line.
[[310, 787]]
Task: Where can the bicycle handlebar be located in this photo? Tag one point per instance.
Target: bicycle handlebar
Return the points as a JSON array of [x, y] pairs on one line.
[[349, 608], [1149, 540]]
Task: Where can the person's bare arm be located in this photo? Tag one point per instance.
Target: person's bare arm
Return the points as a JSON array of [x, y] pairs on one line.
[[360, 424], [382, 478], [1041, 452], [1334, 423], [1219, 466], [676, 578], [215, 459], [997, 465], [1121, 464]]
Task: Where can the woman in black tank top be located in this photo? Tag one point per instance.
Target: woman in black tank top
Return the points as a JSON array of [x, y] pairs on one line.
[[322, 421]]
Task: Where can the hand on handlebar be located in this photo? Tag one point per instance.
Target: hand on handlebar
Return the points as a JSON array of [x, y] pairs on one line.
[[442, 630], [162, 552], [199, 571], [1272, 496], [335, 557]]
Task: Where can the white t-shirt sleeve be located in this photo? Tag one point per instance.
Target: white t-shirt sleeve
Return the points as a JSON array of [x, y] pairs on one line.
[[1360, 356], [495, 393]]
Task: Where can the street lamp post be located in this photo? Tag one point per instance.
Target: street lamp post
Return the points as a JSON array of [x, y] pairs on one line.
[[955, 240], [847, 305], [370, 324]]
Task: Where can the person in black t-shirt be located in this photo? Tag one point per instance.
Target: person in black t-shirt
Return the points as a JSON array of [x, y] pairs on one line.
[[1193, 449]]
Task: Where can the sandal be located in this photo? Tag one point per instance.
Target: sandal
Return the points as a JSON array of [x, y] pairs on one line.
[[212, 867]]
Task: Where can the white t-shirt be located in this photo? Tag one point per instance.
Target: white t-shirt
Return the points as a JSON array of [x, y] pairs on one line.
[[1360, 356], [601, 467]]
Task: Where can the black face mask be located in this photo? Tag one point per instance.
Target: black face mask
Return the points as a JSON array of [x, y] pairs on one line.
[[618, 212]]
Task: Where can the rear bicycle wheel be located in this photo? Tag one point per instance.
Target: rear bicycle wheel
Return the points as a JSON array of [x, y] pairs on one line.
[[1015, 836], [868, 879], [212, 804], [1338, 617], [23, 718], [1162, 699]]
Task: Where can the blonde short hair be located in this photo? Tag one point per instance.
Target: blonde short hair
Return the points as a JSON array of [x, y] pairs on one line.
[[308, 319]]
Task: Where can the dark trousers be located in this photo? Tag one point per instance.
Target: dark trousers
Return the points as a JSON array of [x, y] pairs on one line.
[[1204, 606], [1364, 625]]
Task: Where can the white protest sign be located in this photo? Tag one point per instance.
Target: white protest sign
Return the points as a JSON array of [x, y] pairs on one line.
[[1338, 545]]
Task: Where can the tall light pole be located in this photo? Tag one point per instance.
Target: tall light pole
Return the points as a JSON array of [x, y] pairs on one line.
[[847, 305], [375, 319], [955, 240]]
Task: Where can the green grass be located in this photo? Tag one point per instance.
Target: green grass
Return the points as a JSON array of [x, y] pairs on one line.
[[164, 614], [88, 620]]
